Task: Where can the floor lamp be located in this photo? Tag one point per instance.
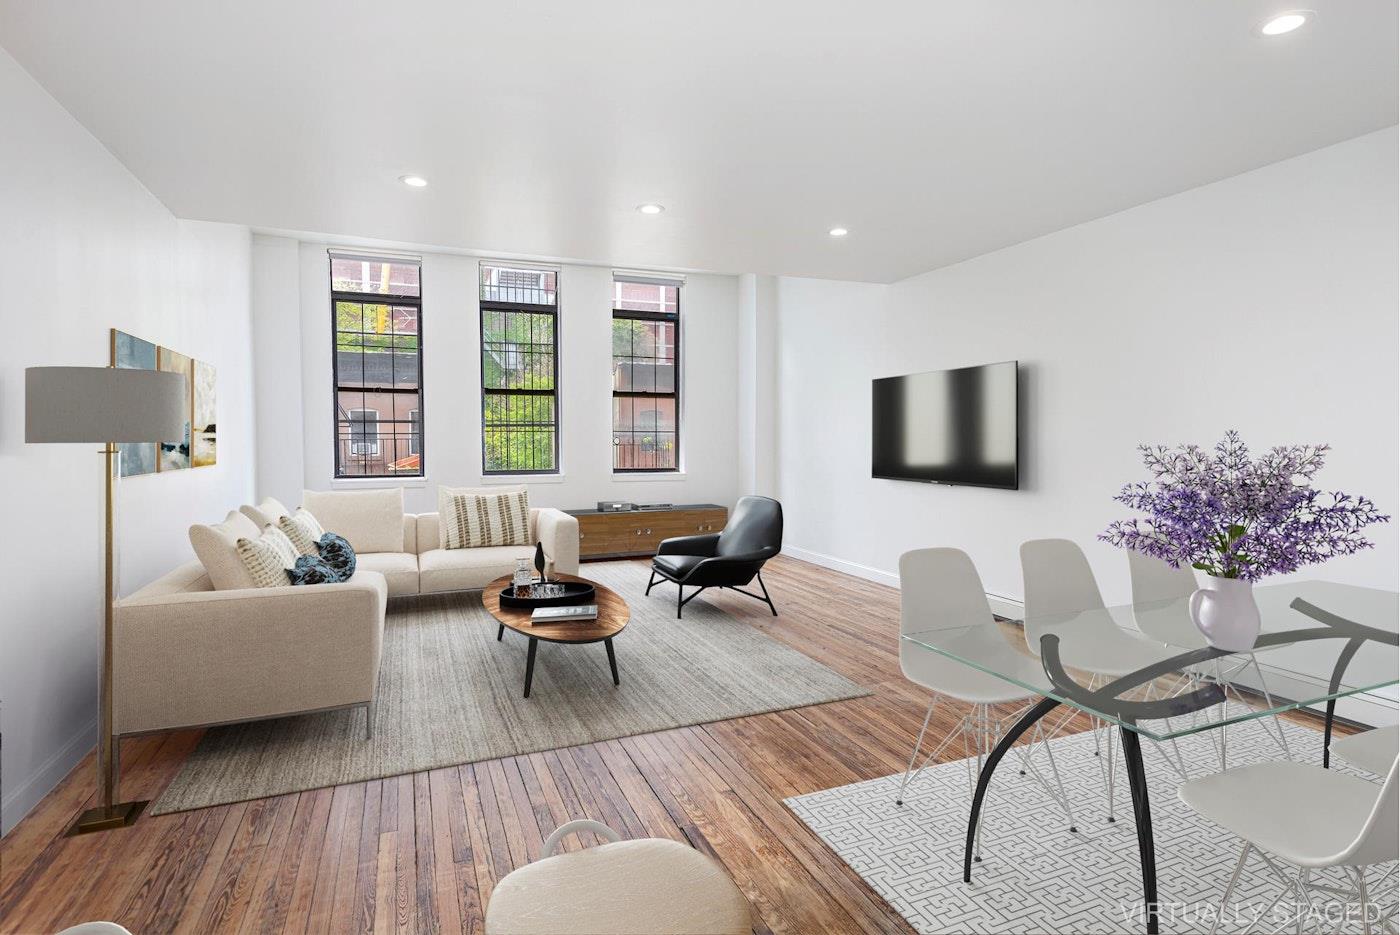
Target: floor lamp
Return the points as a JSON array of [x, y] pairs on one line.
[[105, 405]]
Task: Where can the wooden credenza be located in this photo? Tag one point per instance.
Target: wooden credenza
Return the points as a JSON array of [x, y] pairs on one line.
[[638, 532]]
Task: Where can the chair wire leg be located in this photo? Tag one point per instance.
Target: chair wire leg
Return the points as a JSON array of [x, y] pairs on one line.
[[1055, 771], [1230, 887], [899, 798], [1364, 900]]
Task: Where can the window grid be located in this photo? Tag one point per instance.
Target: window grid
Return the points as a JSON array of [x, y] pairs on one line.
[[519, 371], [377, 362], [646, 377]]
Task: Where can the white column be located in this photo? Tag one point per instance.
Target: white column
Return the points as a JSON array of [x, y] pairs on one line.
[[758, 385]]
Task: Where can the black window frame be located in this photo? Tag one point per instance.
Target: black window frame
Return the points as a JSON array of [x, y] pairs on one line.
[[485, 306], [673, 318], [391, 300]]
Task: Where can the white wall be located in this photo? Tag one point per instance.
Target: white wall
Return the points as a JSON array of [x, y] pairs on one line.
[[84, 248], [1265, 302], [452, 394]]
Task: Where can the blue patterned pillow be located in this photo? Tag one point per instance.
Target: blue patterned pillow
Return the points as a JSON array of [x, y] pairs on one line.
[[312, 569], [338, 554]]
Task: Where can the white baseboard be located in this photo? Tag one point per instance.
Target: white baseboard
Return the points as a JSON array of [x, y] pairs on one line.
[[18, 802], [1001, 606]]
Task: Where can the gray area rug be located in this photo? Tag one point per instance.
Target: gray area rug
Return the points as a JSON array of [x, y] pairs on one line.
[[1037, 877], [449, 693]]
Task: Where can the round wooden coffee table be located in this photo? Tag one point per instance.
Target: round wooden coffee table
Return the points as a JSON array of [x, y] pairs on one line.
[[613, 614]]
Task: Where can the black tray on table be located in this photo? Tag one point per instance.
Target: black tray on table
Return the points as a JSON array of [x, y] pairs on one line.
[[560, 593]]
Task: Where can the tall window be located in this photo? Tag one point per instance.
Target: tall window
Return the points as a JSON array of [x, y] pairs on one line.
[[378, 363], [646, 374], [519, 370]]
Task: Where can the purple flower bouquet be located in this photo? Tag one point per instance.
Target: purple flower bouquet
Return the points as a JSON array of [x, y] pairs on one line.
[[1234, 517]]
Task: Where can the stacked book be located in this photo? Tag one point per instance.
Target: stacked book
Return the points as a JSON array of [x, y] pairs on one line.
[[564, 614]]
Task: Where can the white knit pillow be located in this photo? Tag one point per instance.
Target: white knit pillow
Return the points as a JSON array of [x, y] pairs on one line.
[[268, 557], [303, 530], [474, 519]]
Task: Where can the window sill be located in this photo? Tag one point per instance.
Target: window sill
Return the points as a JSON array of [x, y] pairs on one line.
[[623, 477], [376, 483], [490, 480]]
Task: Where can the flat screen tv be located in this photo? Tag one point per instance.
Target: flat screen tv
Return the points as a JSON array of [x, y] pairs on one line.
[[948, 427]]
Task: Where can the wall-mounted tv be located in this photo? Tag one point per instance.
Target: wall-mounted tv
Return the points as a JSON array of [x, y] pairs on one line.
[[948, 427]]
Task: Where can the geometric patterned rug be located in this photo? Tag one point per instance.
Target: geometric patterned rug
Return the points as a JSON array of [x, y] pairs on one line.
[[1035, 876]]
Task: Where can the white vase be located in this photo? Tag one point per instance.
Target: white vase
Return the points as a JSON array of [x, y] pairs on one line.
[[1224, 610]]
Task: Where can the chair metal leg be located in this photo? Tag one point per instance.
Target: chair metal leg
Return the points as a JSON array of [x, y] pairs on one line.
[[1230, 887], [500, 632], [766, 598], [680, 589], [651, 582], [1364, 899], [899, 798]]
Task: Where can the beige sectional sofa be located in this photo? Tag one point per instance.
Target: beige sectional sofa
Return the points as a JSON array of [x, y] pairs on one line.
[[186, 654]]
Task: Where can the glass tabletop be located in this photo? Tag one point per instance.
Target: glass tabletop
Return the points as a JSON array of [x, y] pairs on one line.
[[1146, 666]]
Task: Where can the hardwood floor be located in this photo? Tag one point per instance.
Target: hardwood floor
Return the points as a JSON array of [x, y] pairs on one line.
[[422, 852]]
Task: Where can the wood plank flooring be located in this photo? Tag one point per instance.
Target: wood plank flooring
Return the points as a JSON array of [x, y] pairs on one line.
[[422, 852]]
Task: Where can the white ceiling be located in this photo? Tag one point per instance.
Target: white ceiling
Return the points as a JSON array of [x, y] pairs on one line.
[[935, 131]]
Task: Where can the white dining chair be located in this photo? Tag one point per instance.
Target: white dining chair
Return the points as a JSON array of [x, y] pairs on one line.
[[940, 590], [1160, 593], [1062, 597], [1306, 816], [1371, 750]]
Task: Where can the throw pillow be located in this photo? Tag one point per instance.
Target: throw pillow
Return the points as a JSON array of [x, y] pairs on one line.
[[338, 554], [268, 558], [474, 519], [312, 569], [303, 530]]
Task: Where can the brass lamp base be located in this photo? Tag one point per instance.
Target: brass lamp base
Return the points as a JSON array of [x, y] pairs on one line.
[[105, 819]]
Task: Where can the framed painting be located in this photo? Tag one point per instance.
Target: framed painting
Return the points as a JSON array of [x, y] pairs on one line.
[[205, 426], [132, 353], [176, 456]]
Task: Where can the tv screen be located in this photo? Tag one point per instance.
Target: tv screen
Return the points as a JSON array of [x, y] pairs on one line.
[[947, 427]]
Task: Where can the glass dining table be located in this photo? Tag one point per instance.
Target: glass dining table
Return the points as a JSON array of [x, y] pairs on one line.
[[1145, 669]]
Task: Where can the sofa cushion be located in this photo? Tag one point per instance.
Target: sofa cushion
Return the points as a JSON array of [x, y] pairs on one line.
[[467, 569], [677, 566], [370, 520], [216, 547], [304, 531], [268, 557], [399, 569], [266, 513], [473, 518]]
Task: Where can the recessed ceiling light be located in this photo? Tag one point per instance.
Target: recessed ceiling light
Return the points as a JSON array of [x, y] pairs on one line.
[[651, 208], [838, 232], [1284, 22], [414, 181]]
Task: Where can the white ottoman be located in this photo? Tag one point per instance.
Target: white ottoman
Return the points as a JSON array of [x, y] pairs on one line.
[[650, 886]]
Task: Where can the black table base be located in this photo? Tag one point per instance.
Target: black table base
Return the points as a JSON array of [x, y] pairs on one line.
[[1105, 701]]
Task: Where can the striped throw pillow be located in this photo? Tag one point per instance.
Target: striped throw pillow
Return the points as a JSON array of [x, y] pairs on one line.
[[303, 530], [268, 557], [474, 519]]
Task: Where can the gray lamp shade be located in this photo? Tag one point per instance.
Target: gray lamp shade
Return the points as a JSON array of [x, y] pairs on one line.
[[104, 404]]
